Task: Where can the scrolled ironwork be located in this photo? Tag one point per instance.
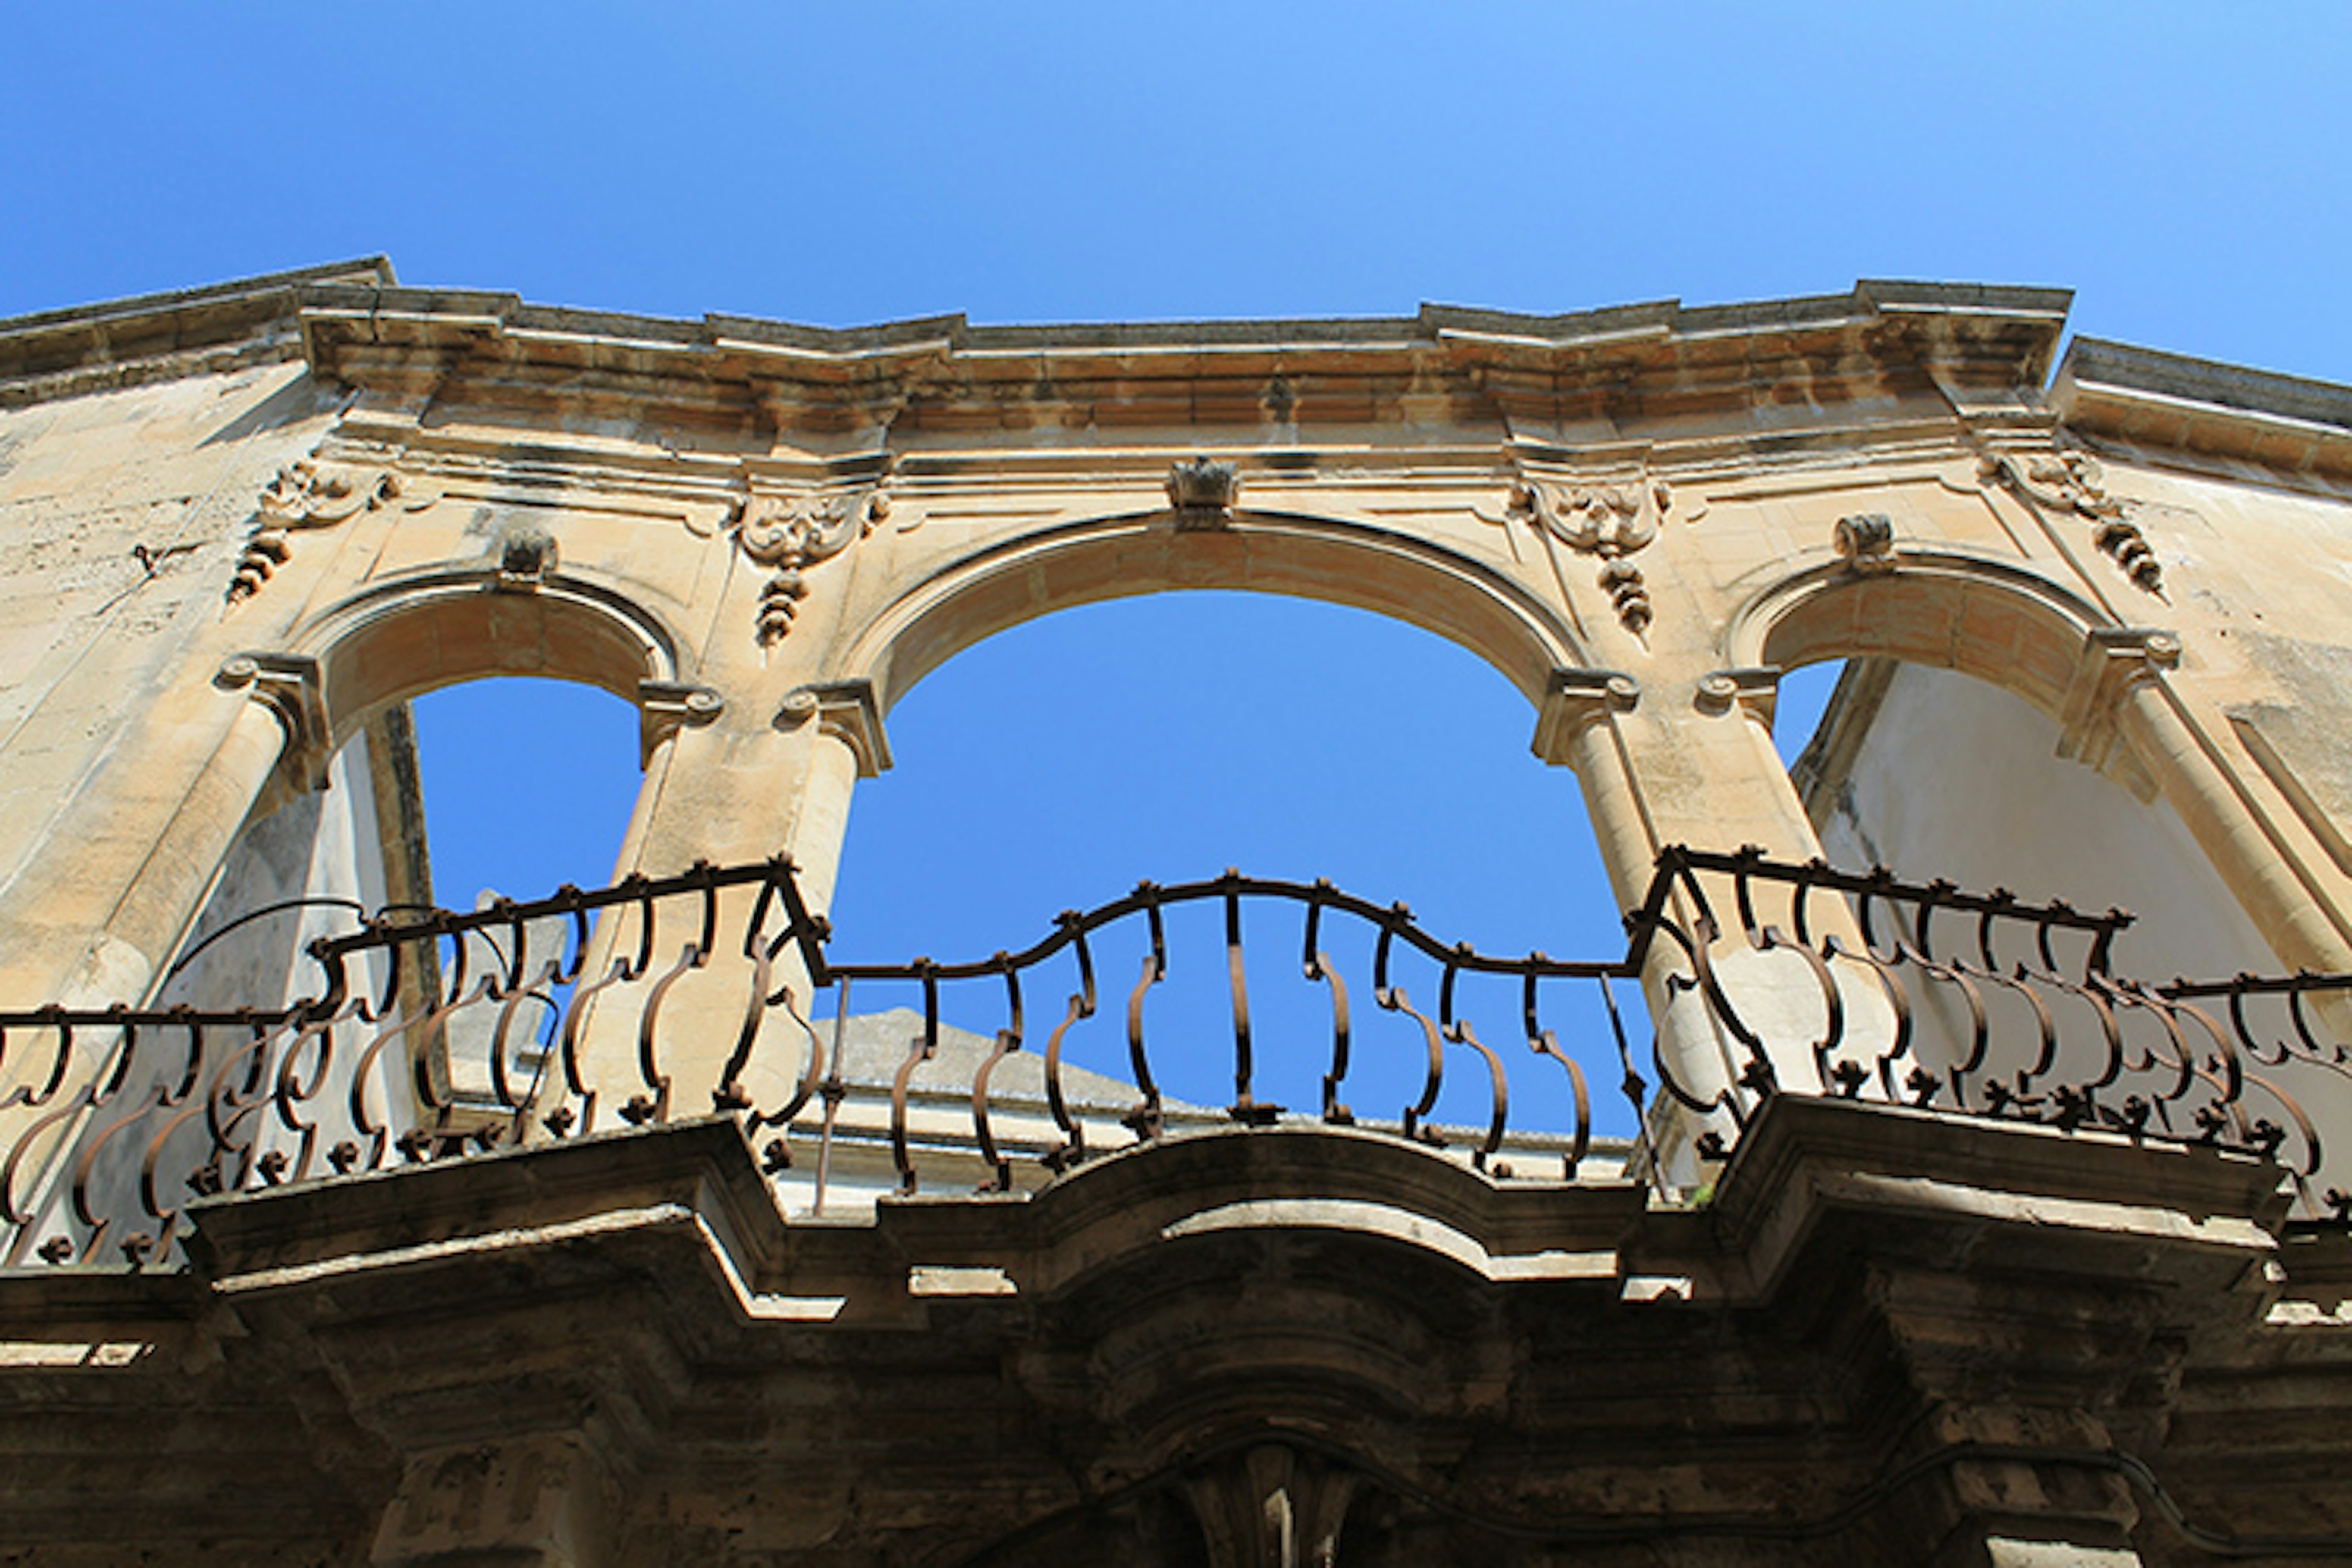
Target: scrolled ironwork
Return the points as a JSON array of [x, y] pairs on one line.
[[430, 1036]]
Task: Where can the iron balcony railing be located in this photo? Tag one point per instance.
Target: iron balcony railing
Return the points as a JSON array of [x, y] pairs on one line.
[[432, 1036]]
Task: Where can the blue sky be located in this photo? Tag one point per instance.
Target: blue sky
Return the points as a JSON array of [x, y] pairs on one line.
[[2180, 166]]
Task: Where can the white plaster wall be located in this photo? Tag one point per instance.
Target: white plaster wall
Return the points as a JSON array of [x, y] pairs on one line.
[[1957, 778]]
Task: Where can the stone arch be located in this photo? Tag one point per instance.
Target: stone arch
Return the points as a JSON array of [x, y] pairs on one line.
[[2102, 683], [399, 639], [1350, 563], [1942, 608]]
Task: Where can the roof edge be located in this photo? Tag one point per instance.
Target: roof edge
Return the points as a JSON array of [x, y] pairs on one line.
[[2204, 407], [95, 345]]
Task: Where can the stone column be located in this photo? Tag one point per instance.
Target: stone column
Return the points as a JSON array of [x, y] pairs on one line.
[[2124, 716], [704, 788], [1701, 772], [101, 910]]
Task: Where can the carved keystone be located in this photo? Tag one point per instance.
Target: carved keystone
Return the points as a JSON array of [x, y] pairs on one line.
[[526, 554], [1866, 543], [1201, 492]]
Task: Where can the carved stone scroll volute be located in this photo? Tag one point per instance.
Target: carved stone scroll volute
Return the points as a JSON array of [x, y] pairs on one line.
[[1610, 522], [305, 494], [2070, 484], [793, 534]]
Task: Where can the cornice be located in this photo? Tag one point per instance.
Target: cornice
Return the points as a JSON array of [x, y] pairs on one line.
[[2199, 409], [1887, 360], [1941, 346], [120, 342]]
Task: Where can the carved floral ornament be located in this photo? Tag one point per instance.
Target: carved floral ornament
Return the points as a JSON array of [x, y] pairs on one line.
[[2071, 482], [307, 494], [1611, 522], [791, 534]]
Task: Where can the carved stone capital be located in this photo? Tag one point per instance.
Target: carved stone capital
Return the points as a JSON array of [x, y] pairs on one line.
[[2114, 660], [1576, 699], [1753, 689], [666, 706], [290, 687], [847, 711]]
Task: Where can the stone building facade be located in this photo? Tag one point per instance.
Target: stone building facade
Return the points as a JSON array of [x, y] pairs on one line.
[[1878, 1215]]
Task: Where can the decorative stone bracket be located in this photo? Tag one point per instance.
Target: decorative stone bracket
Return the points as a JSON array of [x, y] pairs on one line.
[[1576, 699], [666, 706], [2072, 483], [846, 711], [2114, 659], [290, 687], [305, 495], [793, 534]]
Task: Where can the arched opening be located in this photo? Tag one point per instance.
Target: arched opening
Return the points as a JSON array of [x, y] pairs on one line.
[[485, 789], [527, 785], [1328, 560], [1938, 774], [1941, 753], [1170, 736]]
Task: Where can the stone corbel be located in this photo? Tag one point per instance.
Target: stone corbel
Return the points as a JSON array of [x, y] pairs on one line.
[[1754, 689], [847, 711], [2114, 660], [289, 686], [1575, 699], [666, 706]]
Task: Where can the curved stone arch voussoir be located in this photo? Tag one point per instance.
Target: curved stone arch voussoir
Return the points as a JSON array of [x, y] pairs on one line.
[[1990, 619], [1005, 584], [400, 638]]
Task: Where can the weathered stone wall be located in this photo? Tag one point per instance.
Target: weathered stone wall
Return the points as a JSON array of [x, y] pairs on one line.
[[258, 520]]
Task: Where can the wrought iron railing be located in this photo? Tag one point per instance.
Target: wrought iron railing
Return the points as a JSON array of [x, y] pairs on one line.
[[434, 1035]]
